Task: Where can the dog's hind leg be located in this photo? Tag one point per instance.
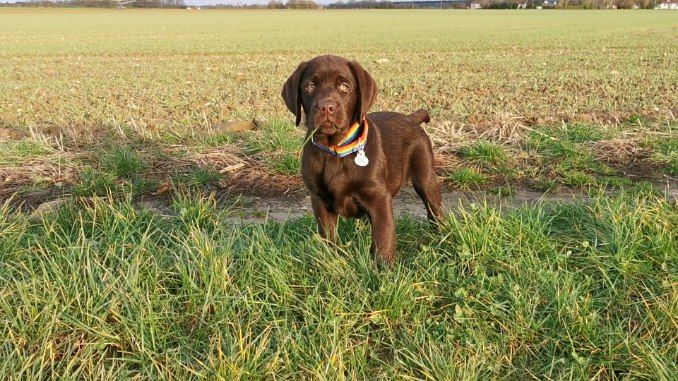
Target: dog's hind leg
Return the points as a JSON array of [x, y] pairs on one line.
[[425, 183]]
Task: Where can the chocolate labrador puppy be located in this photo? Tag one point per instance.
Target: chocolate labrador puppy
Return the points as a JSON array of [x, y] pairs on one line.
[[355, 163]]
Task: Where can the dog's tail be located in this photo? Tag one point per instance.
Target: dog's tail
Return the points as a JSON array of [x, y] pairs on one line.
[[420, 116]]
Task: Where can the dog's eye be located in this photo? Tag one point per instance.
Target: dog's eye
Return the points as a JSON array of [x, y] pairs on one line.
[[344, 87], [310, 87]]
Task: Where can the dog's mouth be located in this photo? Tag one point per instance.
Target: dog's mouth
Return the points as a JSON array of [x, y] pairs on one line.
[[328, 127]]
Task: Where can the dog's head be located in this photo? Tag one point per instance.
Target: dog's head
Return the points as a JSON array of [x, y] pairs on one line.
[[333, 92]]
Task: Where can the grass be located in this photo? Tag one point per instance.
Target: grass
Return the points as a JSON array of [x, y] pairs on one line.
[[578, 179], [105, 288], [553, 148], [123, 162], [503, 191], [101, 289], [173, 79], [582, 133], [565, 157], [281, 142], [16, 151], [189, 68], [666, 152], [199, 177], [95, 183], [484, 153], [467, 178]]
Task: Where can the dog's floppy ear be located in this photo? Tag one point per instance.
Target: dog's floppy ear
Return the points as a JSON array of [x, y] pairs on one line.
[[291, 92], [366, 90]]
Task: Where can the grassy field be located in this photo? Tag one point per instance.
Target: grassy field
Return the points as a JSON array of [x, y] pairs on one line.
[[101, 290], [168, 85], [142, 127]]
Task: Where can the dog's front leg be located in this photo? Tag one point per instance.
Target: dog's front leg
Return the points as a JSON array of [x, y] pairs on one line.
[[380, 210], [326, 219]]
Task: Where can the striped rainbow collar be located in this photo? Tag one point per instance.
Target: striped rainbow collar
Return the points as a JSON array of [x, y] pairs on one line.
[[354, 141]]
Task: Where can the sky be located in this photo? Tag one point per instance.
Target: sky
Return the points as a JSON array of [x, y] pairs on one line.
[[191, 2], [232, 2], [210, 2]]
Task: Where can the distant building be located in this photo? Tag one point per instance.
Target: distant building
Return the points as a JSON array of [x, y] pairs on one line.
[[668, 4], [475, 6]]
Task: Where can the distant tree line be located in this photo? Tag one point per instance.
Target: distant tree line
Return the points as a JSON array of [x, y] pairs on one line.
[[362, 4], [386, 4], [100, 3], [494, 4], [272, 4], [603, 4]]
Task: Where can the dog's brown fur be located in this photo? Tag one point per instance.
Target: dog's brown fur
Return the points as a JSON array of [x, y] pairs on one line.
[[335, 93]]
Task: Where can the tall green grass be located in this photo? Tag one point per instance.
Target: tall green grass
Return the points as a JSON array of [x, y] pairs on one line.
[[103, 290]]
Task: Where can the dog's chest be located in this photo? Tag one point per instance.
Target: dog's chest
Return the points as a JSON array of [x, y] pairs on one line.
[[339, 186]]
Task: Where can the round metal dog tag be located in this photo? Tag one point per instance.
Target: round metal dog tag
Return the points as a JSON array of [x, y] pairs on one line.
[[360, 159]]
